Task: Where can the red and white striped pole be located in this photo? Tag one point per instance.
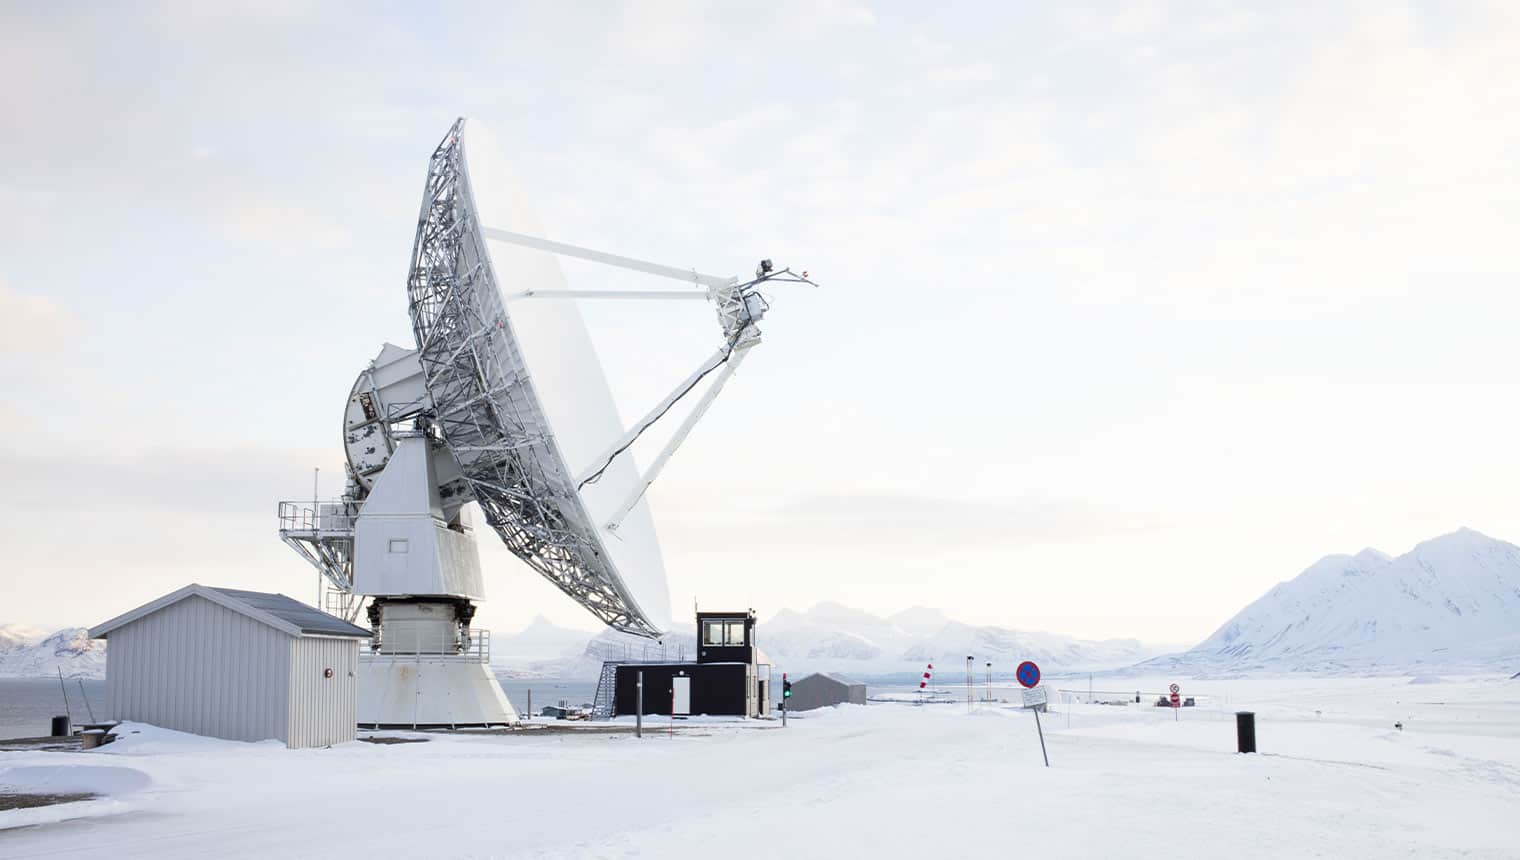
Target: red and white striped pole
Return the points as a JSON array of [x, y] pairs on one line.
[[928, 671]]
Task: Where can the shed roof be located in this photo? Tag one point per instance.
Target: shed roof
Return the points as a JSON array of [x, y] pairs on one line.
[[285, 614], [838, 679]]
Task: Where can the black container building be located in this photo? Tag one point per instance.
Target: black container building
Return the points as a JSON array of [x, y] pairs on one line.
[[725, 680]]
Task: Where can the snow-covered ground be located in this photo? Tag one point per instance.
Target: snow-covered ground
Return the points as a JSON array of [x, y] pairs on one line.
[[1335, 779]]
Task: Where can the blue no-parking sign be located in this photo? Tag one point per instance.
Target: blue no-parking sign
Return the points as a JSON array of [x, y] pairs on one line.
[[1034, 696]]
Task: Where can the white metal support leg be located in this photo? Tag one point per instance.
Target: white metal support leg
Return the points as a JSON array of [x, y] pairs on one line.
[[675, 441]]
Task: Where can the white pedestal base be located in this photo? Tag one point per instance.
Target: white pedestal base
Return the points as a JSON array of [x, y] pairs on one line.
[[407, 691]]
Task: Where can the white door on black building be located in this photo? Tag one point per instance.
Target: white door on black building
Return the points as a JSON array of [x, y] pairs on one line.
[[680, 695]]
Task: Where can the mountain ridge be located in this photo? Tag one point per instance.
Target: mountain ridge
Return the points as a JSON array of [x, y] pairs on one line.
[[1453, 601], [27, 653], [831, 637]]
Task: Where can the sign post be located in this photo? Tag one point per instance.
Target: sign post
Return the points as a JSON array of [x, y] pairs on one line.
[[1176, 702], [1035, 697]]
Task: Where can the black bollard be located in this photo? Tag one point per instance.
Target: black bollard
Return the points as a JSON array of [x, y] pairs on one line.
[[60, 727], [1245, 731]]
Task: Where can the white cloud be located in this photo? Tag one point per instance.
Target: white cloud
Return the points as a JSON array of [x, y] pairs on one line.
[[31, 322], [902, 522]]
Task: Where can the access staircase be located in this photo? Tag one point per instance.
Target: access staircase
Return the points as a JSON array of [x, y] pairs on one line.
[[606, 692]]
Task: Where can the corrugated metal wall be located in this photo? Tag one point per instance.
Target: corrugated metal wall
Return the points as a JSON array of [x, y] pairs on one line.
[[819, 691], [323, 710], [197, 667]]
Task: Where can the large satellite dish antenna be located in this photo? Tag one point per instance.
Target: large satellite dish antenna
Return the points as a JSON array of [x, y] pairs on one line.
[[504, 403]]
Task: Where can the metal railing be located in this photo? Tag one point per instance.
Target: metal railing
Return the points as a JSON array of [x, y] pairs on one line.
[[322, 516], [475, 649], [628, 652], [344, 604]]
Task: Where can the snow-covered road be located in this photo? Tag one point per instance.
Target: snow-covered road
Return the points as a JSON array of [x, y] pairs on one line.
[[1335, 779]]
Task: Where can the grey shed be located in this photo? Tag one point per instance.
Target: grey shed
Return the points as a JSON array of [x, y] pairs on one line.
[[241, 665], [820, 690]]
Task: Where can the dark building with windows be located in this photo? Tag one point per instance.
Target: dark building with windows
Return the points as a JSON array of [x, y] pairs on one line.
[[727, 678], [725, 637]]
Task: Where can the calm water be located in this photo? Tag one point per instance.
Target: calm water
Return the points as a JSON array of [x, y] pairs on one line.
[[547, 693], [27, 705]]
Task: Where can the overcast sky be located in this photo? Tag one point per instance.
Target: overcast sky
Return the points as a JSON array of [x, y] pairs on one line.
[[1129, 312]]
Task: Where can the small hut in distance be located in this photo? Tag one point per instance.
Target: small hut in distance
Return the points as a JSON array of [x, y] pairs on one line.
[[822, 689]]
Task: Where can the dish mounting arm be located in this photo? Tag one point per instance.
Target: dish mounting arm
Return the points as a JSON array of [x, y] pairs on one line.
[[690, 276], [731, 364], [739, 305], [731, 360]]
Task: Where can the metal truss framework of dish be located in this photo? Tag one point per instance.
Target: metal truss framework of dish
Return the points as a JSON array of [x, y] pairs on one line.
[[488, 407], [485, 406]]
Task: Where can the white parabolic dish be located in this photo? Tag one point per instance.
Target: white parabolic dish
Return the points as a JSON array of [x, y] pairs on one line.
[[558, 398]]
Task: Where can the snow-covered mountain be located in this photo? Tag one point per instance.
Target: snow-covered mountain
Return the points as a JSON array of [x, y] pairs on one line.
[[830, 637], [585, 661], [835, 638], [27, 653], [12, 635], [1451, 602], [542, 639]]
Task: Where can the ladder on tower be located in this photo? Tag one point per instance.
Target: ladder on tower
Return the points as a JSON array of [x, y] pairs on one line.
[[606, 692]]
